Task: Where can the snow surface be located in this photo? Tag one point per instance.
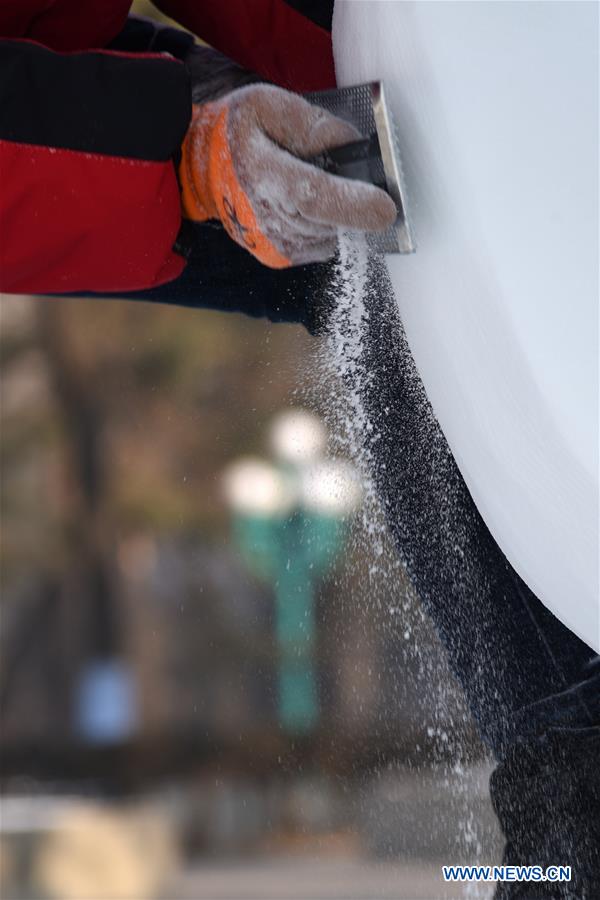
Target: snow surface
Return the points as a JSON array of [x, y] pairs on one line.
[[496, 106]]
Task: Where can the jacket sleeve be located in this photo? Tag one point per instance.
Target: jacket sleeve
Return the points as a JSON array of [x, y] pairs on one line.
[[287, 42], [222, 276], [89, 198]]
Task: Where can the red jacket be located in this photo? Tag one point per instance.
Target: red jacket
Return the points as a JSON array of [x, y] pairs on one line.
[[89, 199]]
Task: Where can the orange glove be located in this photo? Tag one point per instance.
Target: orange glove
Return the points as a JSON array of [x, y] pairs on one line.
[[242, 163]]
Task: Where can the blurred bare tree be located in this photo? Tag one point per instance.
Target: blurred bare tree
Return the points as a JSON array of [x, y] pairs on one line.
[[117, 420]]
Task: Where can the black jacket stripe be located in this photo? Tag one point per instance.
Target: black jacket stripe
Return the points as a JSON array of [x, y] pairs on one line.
[[318, 11], [93, 102]]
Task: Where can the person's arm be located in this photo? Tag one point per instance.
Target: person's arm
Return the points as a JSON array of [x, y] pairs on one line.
[[123, 250], [89, 145], [220, 274], [277, 208]]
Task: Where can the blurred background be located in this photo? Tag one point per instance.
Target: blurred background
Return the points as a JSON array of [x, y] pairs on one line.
[[214, 679]]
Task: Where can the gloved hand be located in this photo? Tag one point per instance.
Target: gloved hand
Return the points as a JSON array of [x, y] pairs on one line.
[[242, 163]]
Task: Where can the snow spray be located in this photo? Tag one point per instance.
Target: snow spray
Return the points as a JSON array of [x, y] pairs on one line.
[[344, 371]]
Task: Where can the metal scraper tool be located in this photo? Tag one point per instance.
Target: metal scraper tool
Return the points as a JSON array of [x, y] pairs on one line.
[[374, 158]]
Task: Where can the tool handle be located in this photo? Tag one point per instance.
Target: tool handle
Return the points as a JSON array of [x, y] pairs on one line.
[[360, 160]]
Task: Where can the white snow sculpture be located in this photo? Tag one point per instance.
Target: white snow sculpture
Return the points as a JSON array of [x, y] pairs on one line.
[[497, 110]]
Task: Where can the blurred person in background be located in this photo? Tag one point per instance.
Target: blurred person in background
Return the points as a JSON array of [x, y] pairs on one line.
[[138, 164]]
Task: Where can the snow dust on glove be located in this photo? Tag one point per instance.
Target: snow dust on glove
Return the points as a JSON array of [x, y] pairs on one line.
[[242, 163]]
